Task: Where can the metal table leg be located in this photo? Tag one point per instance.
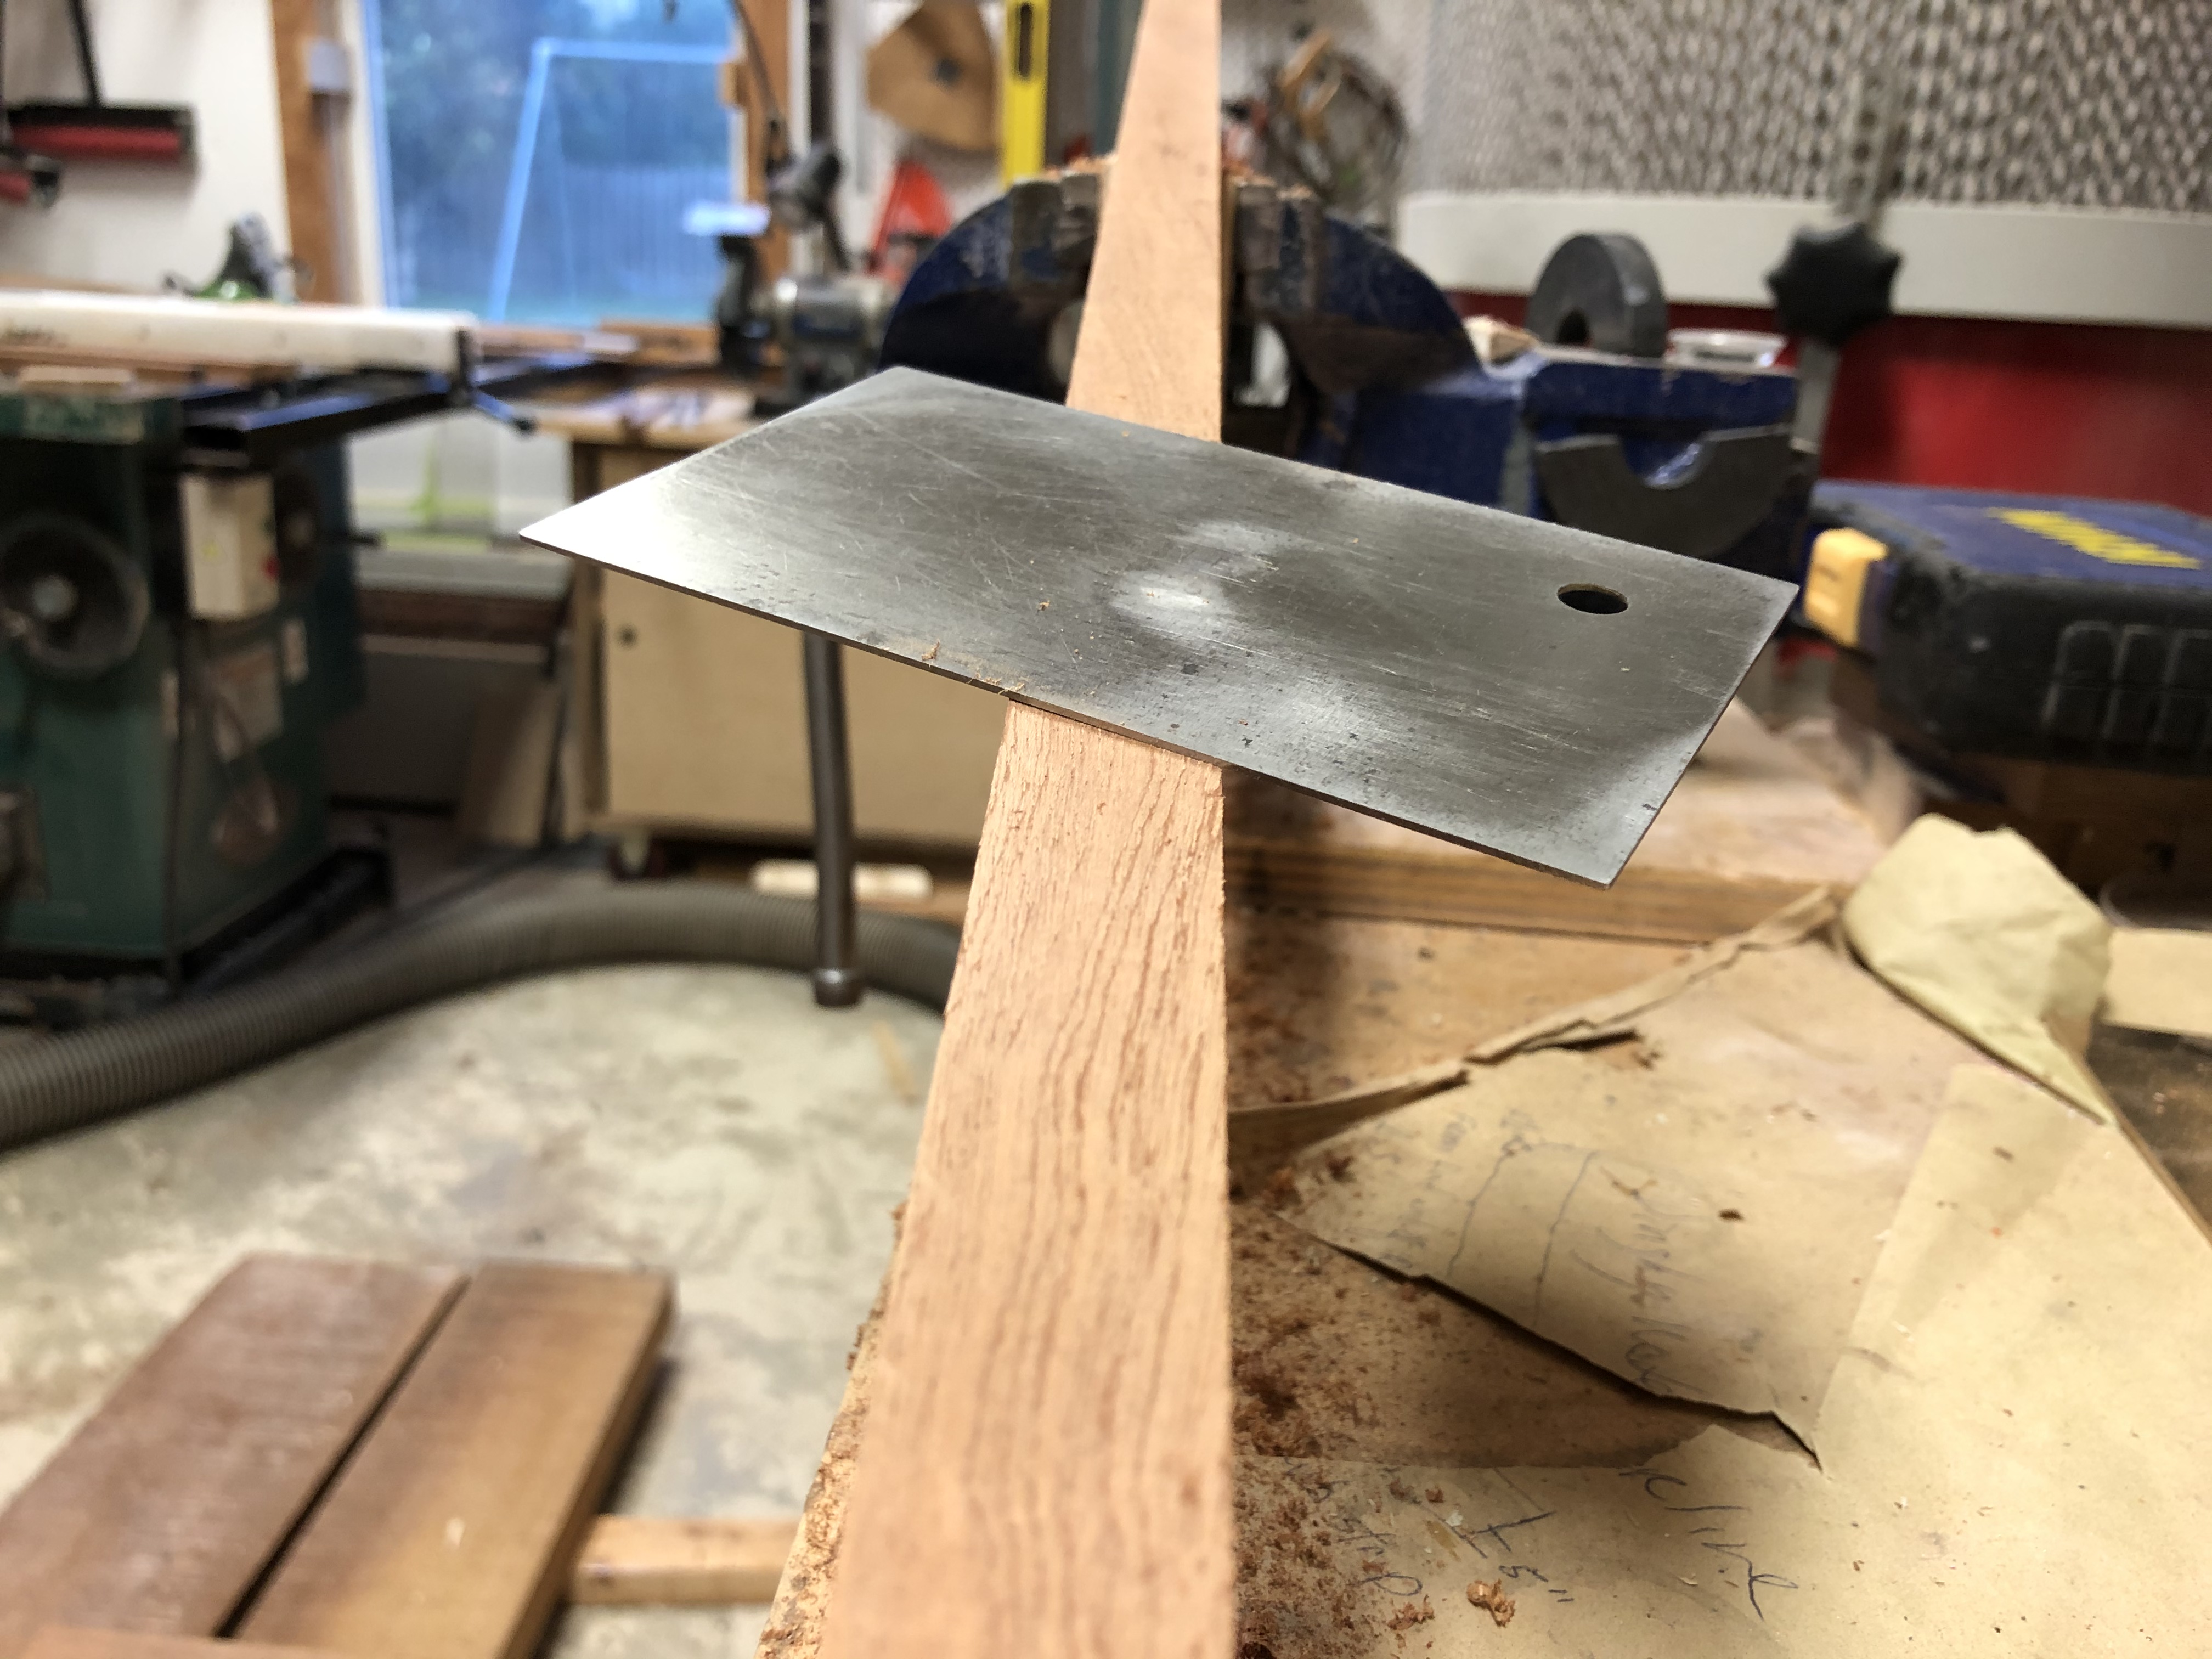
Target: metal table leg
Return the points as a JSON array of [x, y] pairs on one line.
[[837, 982]]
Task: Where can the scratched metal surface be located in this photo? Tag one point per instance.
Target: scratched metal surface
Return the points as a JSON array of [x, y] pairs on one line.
[[1406, 655]]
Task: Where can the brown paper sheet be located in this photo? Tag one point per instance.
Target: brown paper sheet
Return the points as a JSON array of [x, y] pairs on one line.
[[2013, 1456], [1696, 1209], [1983, 933]]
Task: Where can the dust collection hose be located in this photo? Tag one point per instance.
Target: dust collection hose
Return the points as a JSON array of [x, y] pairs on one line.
[[74, 1080]]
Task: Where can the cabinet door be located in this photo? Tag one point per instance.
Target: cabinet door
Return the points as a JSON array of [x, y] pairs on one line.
[[705, 722]]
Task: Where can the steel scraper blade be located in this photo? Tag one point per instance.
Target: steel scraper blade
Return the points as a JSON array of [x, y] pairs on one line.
[[1504, 683]]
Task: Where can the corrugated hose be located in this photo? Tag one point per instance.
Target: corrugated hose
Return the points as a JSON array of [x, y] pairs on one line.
[[82, 1078]]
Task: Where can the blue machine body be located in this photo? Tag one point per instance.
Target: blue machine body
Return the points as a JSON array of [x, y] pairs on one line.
[[2050, 627], [1471, 436], [1390, 385]]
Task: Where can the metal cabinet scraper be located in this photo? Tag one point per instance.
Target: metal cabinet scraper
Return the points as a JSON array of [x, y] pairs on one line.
[[1504, 683]]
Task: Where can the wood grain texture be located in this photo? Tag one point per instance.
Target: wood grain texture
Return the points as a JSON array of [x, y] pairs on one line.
[[1680, 907], [656, 1560], [77, 1642], [159, 1512], [1045, 1468], [1751, 826], [1045, 1473], [451, 1531], [1150, 345], [766, 82], [793, 1630], [312, 208]]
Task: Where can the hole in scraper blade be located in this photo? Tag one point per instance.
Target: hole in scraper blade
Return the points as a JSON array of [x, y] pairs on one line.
[[1597, 601]]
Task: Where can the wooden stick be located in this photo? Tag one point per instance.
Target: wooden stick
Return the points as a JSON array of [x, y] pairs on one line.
[[163, 1509], [77, 1642], [651, 1560], [1045, 1470], [450, 1532], [1466, 888]]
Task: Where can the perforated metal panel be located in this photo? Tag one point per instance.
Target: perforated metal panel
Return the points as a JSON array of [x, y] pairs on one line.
[[2078, 103]]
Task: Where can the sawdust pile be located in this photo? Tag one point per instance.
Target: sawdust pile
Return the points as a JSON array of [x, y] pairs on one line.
[[1293, 1601]]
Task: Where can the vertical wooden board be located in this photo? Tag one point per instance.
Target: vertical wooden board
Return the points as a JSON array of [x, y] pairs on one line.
[[311, 213], [1044, 1472], [1152, 319], [451, 1531], [767, 82], [1045, 1467], [159, 1513]]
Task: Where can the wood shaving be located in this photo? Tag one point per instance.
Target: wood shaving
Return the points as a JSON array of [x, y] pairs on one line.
[[1493, 1599], [1413, 1612]]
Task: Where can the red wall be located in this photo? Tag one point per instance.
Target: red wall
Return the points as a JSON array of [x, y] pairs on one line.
[[2061, 409]]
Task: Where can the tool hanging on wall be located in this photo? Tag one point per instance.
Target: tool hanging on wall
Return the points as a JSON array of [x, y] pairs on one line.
[[936, 75], [252, 267], [915, 217], [1835, 280], [94, 130], [1025, 48], [1330, 122]]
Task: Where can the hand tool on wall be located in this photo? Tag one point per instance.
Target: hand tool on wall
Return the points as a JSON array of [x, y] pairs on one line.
[[936, 75], [1326, 120], [92, 129], [1025, 55], [1835, 280]]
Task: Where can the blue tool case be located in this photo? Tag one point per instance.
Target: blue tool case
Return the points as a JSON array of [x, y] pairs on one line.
[[2046, 628]]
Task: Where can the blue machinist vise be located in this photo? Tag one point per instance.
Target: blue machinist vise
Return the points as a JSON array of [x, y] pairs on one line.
[[1342, 354]]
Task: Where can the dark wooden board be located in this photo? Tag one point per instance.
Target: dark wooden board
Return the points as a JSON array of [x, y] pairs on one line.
[[452, 1531], [160, 1511]]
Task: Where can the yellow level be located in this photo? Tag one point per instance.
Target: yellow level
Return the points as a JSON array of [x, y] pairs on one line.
[[1021, 89]]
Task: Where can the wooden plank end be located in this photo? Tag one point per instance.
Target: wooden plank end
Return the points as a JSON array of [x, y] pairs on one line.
[[645, 1560]]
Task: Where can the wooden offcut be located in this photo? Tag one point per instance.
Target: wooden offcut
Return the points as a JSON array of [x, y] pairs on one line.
[[451, 1532], [77, 1642], [654, 1560], [1045, 1467], [1683, 906], [1751, 826], [158, 1515]]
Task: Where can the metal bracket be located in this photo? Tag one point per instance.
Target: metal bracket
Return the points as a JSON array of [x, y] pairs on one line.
[[1731, 481]]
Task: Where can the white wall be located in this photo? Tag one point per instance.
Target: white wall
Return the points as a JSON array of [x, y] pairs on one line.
[[129, 225]]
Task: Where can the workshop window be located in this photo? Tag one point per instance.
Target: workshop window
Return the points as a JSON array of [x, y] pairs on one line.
[[537, 157]]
